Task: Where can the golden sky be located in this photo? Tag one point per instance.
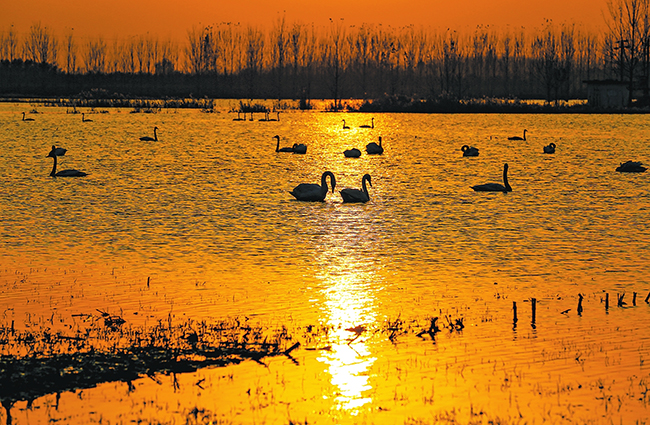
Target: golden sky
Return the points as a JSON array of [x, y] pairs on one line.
[[172, 18]]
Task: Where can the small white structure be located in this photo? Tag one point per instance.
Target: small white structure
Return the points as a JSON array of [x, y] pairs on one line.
[[607, 94]]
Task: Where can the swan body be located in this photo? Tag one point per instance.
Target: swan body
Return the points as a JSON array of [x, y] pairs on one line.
[[356, 195], [345, 127], [374, 148], [469, 150], [517, 137], [352, 153], [312, 192], [151, 139], [27, 119], [300, 148], [550, 148], [631, 167], [495, 187], [55, 153], [279, 149], [372, 124], [83, 118]]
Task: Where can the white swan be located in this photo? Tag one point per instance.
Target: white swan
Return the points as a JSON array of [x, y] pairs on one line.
[[550, 148], [300, 148], [83, 118], [356, 195], [57, 152], [372, 124], [631, 167], [345, 127], [151, 139], [469, 150], [278, 148], [352, 153], [375, 149], [313, 192], [517, 137], [495, 187], [27, 119]]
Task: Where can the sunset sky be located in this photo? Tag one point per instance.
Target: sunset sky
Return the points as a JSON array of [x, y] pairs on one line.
[[167, 18]]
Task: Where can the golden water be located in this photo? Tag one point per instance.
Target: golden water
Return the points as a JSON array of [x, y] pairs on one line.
[[205, 214]]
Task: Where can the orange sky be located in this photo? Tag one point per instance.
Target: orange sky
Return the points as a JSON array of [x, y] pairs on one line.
[[167, 18]]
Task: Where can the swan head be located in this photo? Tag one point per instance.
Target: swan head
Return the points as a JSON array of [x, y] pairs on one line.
[[276, 137]]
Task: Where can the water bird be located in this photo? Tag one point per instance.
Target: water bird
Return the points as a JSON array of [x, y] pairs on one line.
[[54, 154], [372, 124], [239, 118], [352, 153], [356, 195], [312, 192], [345, 127], [274, 119], [469, 150], [496, 187], [27, 119], [300, 148], [83, 118], [266, 116], [631, 167], [151, 139], [373, 148], [550, 148], [279, 149], [517, 137]]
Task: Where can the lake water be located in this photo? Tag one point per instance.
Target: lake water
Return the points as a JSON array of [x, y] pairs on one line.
[[205, 216]]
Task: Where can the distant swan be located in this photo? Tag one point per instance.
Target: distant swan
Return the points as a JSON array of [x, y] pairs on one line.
[[278, 148], [495, 187], [356, 195], [517, 137], [274, 119], [151, 139], [372, 124], [550, 148], [345, 127], [299, 148], [57, 152], [27, 119], [313, 192], [374, 148], [469, 150], [266, 116], [83, 118], [352, 153], [631, 167], [239, 118]]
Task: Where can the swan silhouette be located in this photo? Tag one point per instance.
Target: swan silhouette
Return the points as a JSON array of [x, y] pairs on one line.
[[239, 118], [373, 148], [345, 127], [352, 153], [517, 137], [372, 124], [83, 118], [495, 187], [356, 195], [550, 148], [27, 119], [266, 116], [300, 148], [631, 167], [469, 150], [151, 139], [312, 192], [279, 149], [274, 119], [57, 152]]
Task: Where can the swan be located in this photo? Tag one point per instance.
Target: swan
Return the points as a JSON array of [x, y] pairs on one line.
[[352, 153], [55, 153], [299, 148], [279, 149], [345, 127], [372, 124], [631, 167], [469, 150], [356, 195], [27, 119], [83, 118], [314, 192], [266, 116], [273, 119], [374, 148], [495, 187], [517, 137], [550, 148], [239, 118], [150, 139]]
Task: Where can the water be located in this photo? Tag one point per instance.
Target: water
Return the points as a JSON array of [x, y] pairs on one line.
[[205, 214]]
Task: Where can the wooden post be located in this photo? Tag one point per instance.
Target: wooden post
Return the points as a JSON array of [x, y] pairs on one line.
[[580, 297], [533, 302]]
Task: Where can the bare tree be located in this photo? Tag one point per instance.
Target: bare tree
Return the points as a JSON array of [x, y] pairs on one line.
[[70, 53], [40, 45], [95, 56], [254, 57], [335, 56], [279, 47], [9, 44]]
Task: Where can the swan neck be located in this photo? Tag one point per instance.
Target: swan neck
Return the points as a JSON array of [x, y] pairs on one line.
[[53, 173], [505, 179], [155, 136]]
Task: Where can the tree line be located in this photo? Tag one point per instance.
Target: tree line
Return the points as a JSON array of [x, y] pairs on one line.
[[295, 60]]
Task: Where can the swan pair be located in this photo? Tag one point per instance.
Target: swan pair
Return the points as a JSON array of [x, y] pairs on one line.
[[57, 152], [299, 148], [312, 192], [495, 187], [469, 150]]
